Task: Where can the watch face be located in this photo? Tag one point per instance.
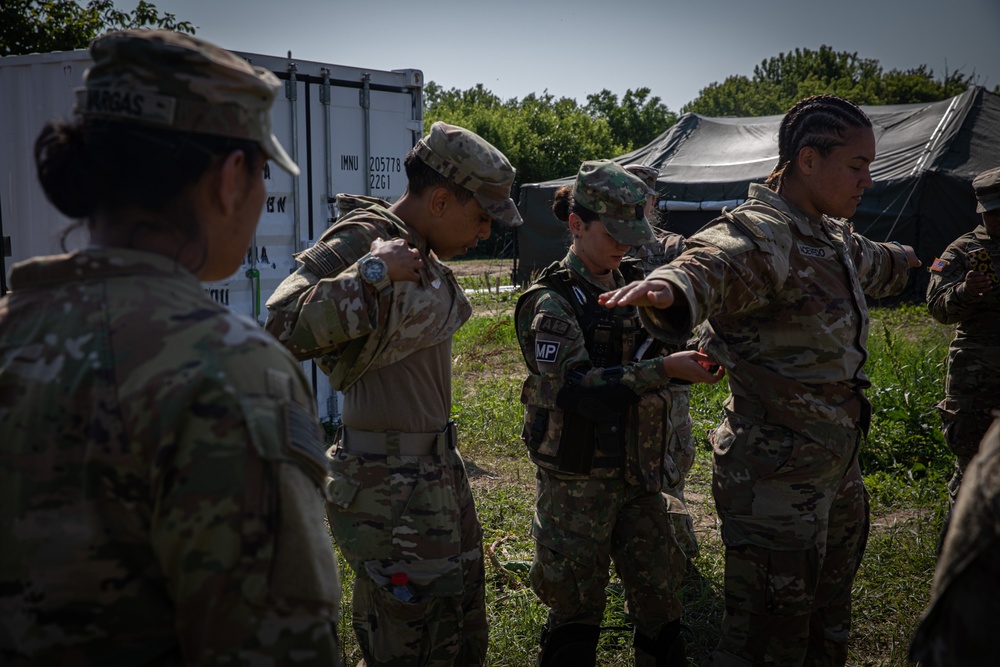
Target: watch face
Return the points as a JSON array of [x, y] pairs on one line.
[[374, 269]]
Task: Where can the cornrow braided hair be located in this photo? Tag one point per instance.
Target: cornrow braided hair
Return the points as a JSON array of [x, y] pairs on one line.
[[819, 121]]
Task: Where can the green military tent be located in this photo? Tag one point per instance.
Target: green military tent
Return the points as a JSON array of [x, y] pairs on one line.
[[927, 156]]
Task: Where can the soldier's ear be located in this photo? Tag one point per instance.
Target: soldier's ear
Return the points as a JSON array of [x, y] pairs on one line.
[[231, 186], [440, 198]]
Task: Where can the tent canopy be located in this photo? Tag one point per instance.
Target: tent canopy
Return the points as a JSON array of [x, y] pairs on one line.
[[927, 156]]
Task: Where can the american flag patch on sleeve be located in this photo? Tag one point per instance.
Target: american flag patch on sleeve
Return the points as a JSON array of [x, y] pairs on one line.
[[938, 265]]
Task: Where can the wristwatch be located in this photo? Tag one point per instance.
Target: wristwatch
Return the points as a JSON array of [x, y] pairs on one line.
[[374, 271]]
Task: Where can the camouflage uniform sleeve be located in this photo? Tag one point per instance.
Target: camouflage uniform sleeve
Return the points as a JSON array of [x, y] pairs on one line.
[[237, 527], [553, 344], [882, 267], [948, 301], [324, 305], [723, 271]]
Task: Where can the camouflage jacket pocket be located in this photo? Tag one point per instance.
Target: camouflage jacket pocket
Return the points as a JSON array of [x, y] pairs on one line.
[[342, 489]]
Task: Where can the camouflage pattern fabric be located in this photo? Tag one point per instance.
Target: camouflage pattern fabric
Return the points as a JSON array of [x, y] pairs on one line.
[[325, 311], [662, 250], [412, 514], [972, 386], [174, 81], [161, 475], [615, 513], [794, 522], [391, 513], [475, 164], [681, 449], [617, 197], [958, 627], [784, 296], [580, 527]]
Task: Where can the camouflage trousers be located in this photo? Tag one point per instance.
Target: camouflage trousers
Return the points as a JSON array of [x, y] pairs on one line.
[[580, 527], [676, 465], [794, 524], [963, 430], [412, 514]]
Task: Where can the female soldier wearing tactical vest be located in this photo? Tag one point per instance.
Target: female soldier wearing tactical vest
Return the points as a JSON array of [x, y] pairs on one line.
[[596, 425]]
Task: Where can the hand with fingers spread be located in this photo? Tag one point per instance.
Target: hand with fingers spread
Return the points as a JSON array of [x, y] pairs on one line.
[[655, 293]]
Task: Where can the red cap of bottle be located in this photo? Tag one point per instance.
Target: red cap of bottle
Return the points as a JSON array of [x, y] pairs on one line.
[[400, 579]]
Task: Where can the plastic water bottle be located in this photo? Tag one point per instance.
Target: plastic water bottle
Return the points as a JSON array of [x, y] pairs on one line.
[[401, 588]]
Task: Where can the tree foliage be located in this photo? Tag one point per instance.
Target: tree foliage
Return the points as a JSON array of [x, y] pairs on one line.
[[778, 83], [545, 137], [40, 26]]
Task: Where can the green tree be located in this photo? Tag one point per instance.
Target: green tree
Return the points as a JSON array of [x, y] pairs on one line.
[[40, 26], [636, 120], [547, 137], [777, 83]]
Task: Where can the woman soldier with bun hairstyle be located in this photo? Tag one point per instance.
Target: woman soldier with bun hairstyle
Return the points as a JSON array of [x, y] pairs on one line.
[[597, 427], [778, 286], [161, 466]]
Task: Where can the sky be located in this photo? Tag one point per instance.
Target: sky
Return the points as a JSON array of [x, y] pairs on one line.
[[572, 49]]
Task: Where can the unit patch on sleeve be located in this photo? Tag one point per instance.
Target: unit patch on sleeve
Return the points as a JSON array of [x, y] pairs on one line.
[[938, 265], [546, 351], [550, 324]]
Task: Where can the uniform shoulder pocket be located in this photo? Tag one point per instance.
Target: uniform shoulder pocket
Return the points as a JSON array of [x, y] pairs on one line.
[[285, 431]]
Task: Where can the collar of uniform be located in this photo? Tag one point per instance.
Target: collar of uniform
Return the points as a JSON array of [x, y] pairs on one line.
[[576, 264], [805, 223], [407, 233], [983, 236], [91, 263]]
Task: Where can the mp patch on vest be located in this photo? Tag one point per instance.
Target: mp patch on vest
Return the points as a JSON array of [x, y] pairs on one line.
[[546, 351]]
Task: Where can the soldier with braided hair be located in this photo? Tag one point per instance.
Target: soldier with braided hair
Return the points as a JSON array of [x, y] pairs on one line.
[[777, 287]]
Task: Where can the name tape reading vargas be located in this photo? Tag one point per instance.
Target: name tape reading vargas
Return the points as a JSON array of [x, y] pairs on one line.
[[546, 351], [149, 107]]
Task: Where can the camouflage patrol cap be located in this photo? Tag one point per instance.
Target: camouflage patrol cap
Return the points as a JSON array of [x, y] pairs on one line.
[[474, 163], [987, 187], [617, 197], [647, 175], [170, 80]]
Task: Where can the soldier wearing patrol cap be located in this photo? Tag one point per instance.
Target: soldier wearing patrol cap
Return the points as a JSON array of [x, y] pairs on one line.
[[161, 462], [373, 304], [596, 427], [963, 291]]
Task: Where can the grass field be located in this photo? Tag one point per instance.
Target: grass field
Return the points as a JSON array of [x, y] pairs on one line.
[[904, 461]]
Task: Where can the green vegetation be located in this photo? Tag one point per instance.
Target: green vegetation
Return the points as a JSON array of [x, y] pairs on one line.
[[904, 460], [779, 82], [40, 26]]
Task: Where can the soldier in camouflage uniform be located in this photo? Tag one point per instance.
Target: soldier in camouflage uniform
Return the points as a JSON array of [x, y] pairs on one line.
[[958, 629], [963, 291], [681, 448], [597, 426], [780, 284], [376, 308], [161, 465]]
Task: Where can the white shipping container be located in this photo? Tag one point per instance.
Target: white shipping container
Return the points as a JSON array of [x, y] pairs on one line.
[[347, 128]]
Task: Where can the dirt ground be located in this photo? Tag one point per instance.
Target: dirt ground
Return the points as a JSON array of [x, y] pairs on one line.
[[480, 267]]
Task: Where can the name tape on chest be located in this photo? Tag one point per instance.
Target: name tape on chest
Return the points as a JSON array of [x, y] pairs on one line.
[[810, 251], [546, 351]]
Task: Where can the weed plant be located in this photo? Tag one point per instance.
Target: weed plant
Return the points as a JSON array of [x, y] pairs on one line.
[[904, 460]]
